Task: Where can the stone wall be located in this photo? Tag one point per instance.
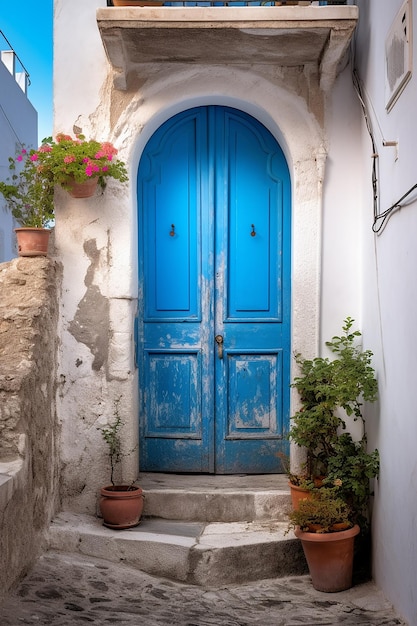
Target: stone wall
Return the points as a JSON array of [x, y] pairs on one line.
[[29, 467]]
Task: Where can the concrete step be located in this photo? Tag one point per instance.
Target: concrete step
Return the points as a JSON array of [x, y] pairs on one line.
[[199, 529], [208, 498], [200, 553]]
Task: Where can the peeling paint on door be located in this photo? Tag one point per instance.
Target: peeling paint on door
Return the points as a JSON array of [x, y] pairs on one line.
[[214, 206]]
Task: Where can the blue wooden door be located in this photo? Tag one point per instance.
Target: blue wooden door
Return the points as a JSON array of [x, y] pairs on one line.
[[214, 319]]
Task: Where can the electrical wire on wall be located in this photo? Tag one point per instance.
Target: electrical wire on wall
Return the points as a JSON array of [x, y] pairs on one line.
[[374, 176], [379, 218]]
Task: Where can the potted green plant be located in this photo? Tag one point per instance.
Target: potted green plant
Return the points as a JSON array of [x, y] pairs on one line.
[[325, 527], [78, 164], [327, 512], [326, 387], [121, 505], [29, 194]]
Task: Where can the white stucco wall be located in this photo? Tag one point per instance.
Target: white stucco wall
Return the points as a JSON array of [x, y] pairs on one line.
[[96, 239], [341, 247], [18, 125], [390, 311], [339, 267]]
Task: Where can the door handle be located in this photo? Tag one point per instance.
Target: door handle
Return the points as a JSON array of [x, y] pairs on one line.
[[219, 340]]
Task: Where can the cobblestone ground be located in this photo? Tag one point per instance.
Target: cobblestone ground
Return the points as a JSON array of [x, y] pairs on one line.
[[67, 589]]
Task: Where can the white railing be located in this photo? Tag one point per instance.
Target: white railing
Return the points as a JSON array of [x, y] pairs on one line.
[[12, 62]]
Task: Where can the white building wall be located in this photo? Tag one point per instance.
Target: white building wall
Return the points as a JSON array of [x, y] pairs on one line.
[[390, 310], [340, 268], [338, 262], [18, 125], [96, 239], [341, 243]]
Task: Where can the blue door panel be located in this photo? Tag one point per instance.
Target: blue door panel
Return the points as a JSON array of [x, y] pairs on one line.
[[173, 397], [189, 456], [214, 215], [175, 425], [252, 391], [255, 225], [253, 234], [171, 195]]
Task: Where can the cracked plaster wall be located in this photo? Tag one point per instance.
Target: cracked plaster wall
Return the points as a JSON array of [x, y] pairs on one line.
[[91, 322], [97, 238]]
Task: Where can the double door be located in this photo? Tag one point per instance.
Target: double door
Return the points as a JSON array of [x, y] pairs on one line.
[[214, 318]]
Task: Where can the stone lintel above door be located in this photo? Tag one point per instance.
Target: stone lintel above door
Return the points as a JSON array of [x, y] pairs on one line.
[[137, 39]]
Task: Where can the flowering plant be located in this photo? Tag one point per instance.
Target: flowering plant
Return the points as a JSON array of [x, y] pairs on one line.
[[29, 192], [76, 159], [326, 512]]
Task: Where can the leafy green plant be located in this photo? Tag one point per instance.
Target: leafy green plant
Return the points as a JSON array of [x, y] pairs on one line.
[[111, 435], [325, 386], [29, 191], [353, 375], [322, 514], [351, 467], [76, 158]]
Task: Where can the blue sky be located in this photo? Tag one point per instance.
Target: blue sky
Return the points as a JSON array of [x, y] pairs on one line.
[[27, 24]]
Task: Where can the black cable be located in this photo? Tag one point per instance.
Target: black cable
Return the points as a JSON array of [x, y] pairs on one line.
[[358, 88], [380, 219], [384, 216]]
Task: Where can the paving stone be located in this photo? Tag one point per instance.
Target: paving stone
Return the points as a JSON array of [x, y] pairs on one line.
[[66, 589]]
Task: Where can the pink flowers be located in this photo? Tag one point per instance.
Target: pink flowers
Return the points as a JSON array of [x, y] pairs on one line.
[[76, 158], [91, 169], [61, 137], [107, 151]]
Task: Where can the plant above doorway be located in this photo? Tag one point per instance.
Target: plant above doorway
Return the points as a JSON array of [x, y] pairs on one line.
[[78, 160]]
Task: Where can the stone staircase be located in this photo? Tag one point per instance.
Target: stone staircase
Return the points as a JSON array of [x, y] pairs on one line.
[[203, 530]]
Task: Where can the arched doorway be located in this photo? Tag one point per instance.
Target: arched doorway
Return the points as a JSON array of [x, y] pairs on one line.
[[215, 282]]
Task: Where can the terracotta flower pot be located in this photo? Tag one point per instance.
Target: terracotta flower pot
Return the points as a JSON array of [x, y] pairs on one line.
[[85, 189], [32, 241], [121, 506], [298, 494], [329, 558]]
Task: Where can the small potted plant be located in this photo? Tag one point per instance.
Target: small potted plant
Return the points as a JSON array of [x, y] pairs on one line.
[[326, 387], [121, 505], [78, 164], [29, 194], [325, 527]]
